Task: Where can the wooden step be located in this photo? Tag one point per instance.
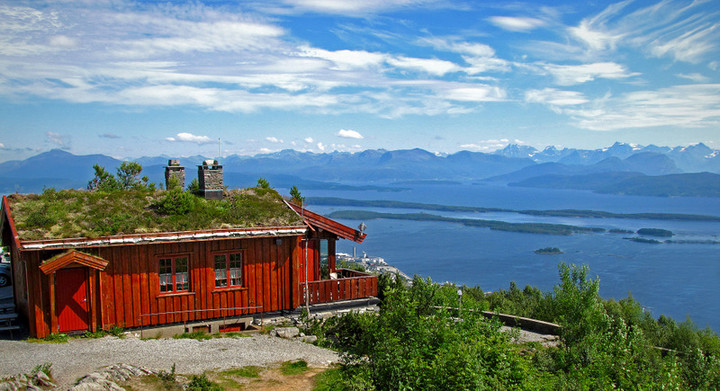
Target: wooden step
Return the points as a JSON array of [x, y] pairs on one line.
[[8, 316], [9, 328], [7, 307]]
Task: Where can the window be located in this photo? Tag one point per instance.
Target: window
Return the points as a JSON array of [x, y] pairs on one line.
[[324, 256], [174, 274], [228, 270]]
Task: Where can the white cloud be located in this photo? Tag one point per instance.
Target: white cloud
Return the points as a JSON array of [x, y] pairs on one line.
[[554, 97], [480, 57], [345, 59], [190, 138], [60, 140], [679, 29], [321, 146], [2, 145], [518, 24], [696, 77], [62, 41], [347, 133], [308, 140], [486, 145], [274, 140], [577, 74], [477, 93], [432, 66], [685, 106], [353, 8]]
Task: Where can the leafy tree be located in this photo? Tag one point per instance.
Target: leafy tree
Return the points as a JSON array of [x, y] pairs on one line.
[[194, 186], [296, 197], [263, 183], [127, 178], [103, 180]]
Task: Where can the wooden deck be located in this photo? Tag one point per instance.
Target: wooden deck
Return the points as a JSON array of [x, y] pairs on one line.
[[352, 285]]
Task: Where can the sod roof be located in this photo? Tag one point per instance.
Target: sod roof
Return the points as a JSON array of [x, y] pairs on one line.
[[91, 214]]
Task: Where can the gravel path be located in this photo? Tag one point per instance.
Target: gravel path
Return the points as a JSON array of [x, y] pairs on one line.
[[79, 357]]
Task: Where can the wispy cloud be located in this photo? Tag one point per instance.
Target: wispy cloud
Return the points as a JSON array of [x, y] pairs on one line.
[[353, 8], [518, 24], [576, 74], [683, 29], [109, 135], [348, 133], [488, 145], [190, 138], [555, 98], [274, 140], [686, 106], [696, 77], [58, 140]]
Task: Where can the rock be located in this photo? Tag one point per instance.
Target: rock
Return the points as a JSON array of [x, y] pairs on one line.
[[9, 386], [287, 332], [309, 339], [107, 378], [42, 380]]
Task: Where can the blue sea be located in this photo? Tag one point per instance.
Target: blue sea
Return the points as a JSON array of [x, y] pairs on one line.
[[678, 280]]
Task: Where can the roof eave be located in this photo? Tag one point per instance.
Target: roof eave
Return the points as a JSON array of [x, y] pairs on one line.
[[164, 237]]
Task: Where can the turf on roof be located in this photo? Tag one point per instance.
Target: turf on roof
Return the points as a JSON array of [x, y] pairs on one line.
[[78, 213]]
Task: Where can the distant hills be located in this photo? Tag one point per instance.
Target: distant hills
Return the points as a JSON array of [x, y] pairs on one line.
[[620, 168]]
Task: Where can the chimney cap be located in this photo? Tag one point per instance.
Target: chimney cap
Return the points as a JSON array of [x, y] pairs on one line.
[[210, 162], [173, 162]]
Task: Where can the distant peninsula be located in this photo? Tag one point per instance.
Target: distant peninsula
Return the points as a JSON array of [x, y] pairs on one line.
[[534, 228], [334, 201], [549, 251]]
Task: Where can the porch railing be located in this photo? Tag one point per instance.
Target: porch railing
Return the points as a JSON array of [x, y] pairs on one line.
[[351, 285]]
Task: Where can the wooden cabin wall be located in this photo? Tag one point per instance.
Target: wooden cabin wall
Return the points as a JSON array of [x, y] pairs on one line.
[[130, 283]]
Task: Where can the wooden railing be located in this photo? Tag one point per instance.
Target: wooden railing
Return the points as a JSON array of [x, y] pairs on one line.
[[352, 285]]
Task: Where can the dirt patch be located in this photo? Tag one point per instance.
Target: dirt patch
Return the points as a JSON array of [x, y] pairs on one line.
[[258, 379]]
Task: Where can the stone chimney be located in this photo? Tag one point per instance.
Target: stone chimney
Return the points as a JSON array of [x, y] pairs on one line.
[[174, 170], [210, 179]]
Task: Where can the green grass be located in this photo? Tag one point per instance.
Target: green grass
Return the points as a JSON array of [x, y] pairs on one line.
[[51, 338], [289, 368], [249, 372], [198, 335], [78, 213], [330, 380]]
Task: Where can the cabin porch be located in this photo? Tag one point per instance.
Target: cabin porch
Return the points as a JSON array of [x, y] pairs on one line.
[[343, 284]]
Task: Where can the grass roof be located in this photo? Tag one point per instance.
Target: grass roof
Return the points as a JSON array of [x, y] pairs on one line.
[[79, 213]]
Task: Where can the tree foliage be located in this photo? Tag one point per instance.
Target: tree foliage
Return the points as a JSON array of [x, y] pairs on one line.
[[296, 197], [127, 178], [421, 339]]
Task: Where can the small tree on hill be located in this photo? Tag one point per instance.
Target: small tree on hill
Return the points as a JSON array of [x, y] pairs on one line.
[[127, 178], [103, 180], [296, 197]]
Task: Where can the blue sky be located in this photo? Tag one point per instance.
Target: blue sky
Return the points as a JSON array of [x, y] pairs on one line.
[[134, 78]]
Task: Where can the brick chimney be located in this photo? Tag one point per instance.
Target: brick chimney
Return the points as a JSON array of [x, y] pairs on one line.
[[210, 179], [174, 170]]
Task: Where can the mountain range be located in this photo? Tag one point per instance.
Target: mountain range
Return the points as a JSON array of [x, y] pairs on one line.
[[605, 169]]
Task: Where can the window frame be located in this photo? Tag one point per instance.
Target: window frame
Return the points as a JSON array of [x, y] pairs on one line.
[[228, 277], [173, 274]]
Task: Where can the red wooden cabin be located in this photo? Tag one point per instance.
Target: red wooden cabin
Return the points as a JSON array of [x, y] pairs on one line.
[[149, 279]]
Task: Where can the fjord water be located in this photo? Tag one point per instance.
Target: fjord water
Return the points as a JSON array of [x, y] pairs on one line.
[[678, 280]]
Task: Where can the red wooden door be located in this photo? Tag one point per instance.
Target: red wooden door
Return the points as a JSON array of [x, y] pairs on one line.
[[71, 298]]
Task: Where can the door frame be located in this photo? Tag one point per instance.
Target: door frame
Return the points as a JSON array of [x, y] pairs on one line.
[[86, 293]]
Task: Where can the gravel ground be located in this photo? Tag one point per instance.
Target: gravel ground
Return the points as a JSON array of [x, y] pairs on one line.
[[79, 357]]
